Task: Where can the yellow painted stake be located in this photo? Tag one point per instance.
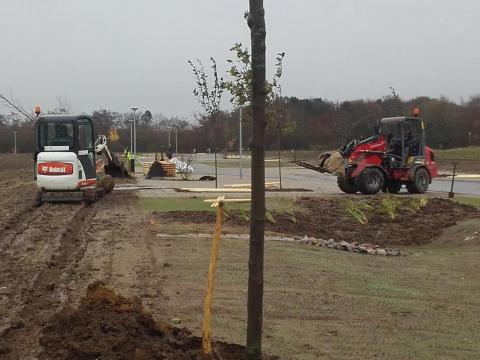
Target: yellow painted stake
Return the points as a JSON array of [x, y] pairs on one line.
[[207, 307]]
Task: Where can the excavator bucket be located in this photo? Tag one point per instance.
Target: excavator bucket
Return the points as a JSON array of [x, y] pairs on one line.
[[114, 166]]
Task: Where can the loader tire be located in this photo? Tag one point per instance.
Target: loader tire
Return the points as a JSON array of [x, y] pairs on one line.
[[420, 182], [347, 185], [370, 181], [393, 186]]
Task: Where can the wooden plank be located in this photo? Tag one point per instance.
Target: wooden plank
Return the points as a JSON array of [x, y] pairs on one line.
[[237, 185], [221, 200], [227, 200], [268, 184], [213, 190]]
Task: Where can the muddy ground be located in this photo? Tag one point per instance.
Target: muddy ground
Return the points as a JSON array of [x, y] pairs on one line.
[[319, 303], [50, 254], [109, 326]]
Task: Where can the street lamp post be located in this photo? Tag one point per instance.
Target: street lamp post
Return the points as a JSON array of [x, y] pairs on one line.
[[240, 144], [176, 142], [15, 142], [134, 109], [131, 135]]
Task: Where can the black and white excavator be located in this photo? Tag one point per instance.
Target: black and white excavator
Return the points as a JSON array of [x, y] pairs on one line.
[[66, 164]]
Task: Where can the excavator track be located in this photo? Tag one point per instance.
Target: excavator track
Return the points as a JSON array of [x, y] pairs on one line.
[[36, 261]]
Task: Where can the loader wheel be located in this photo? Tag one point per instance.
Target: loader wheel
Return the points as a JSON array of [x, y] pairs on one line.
[[347, 185], [393, 186], [370, 181], [420, 182]]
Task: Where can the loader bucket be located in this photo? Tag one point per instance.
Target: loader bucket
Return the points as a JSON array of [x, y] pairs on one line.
[[332, 162]]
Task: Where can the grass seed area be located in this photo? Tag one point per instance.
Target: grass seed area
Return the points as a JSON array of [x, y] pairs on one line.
[[323, 304]]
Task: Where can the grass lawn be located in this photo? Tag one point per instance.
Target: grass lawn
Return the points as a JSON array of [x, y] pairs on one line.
[[465, 153], [196, 204], [328, 304], [467, 200]]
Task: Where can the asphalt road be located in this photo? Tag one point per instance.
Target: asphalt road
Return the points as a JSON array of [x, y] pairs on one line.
[[294, 177]]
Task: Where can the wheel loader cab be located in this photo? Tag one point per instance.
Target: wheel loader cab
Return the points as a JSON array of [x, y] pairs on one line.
[[65, 153], [405, 140]]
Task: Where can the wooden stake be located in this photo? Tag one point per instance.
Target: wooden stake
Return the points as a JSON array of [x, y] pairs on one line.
[[207, 308]]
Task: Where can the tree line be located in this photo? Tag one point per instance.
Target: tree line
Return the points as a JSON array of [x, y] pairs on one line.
[[305, 124]]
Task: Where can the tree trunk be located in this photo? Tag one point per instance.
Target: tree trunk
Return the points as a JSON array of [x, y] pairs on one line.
[[256, 22]]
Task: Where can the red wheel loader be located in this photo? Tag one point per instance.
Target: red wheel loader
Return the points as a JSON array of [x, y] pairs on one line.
[[394, 156]]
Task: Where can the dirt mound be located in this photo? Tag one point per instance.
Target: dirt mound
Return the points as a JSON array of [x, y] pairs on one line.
[[327, 218], [109, 326]]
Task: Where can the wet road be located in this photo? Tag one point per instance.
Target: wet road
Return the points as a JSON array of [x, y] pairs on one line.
[[464, 187], [303, 178], [296, 177]]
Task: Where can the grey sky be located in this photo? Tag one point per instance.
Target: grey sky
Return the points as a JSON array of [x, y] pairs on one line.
[[112, 53]]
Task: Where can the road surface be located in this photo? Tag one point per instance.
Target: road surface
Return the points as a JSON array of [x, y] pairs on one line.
[[292, 177]]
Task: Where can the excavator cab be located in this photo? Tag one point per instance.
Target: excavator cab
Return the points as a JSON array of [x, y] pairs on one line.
[[66, 138], [65, 158]]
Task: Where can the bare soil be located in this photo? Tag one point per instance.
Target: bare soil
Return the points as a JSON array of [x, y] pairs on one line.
[[327, 218], [16, 186], [109, 326]]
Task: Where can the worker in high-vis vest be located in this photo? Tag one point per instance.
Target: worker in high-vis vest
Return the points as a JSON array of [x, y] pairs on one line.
[[128, 156]]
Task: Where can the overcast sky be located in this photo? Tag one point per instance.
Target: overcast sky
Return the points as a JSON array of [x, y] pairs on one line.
[[112, 54]]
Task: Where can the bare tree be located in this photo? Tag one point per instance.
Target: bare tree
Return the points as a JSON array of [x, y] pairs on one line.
[[239, 83], [16, 106], [256, 22], [210, 97], [276, 107], [63, 107]]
